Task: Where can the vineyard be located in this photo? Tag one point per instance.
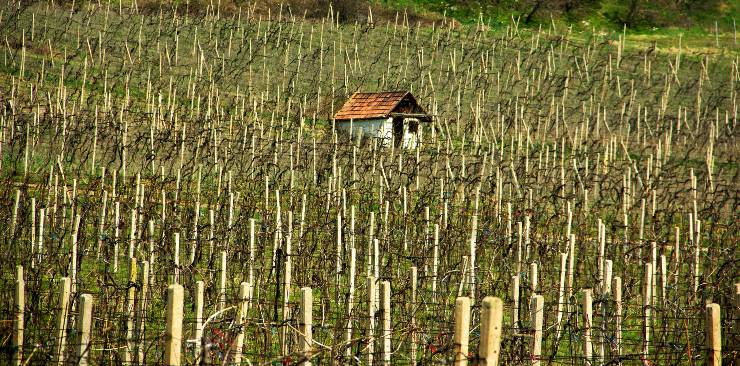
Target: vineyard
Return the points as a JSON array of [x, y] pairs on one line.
[[175, 191]]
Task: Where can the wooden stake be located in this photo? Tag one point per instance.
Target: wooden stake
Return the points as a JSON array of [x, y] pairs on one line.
[[537, 308], [618, 318], [14, 220], [61, 336], [491, 319], [697, 262], [173, 332], [713, 335], [222, 283], [412, 310], [608, 265], [435, 261], [571, 263], [244, 292], [176, 278], [252, 238], [473, 239], [371, 319], [351, 298], [18, 322], [663, 278], [84, 326], [305, 337], [130, 301], [606, 292], [587, 325], [462, 330], [737, 298], [647, 297], [561, 294], [143, 304], [198, 332], [73, 259], [677, 255], [386, 314], [515, 306]]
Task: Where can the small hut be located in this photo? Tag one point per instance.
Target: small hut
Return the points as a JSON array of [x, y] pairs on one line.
[[392, 117]]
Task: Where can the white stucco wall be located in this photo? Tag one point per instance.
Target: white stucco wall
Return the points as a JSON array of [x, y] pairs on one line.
[[378, 128], [383, 129]]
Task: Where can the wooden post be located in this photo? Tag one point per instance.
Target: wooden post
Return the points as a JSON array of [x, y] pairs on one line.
[[515, 306], [18, 322], [40, 239], [151, 277], [571, 260], [351, 298], [222, 283], [412, 311], [241, 321], [561, 294], [435, 261], [132, 234], [116, 231], [714, 335], [173, 332], [473, 239], [608, 265], [386, 313], [338, 258], [73, 261], [251, 250], [143, 303], [198, 332], [697, 262], [647, 297], [286, 278], [305, 338], [654, 273], [604, 306], [587, 325], [14, 219], [462, 330], [537, 309], [533, 274], [371, 319], [491, 318], [371, 240], [61, 336], [663, 278], [618, 318], [193, 244], [177, 258], [602, 244], [101, 223], [84, 326], [677, 255], [519, 236], [130, 301]]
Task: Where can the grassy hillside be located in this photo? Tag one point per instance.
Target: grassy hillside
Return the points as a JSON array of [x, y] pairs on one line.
[[604, 15], [614, 14]]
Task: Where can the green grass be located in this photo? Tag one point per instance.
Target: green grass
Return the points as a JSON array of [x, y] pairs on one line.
[[664, 28]]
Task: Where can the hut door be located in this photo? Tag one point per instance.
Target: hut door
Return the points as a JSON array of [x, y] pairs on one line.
[[397, 130]]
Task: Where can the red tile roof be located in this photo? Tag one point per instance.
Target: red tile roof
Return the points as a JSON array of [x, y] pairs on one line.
[[370, 105]]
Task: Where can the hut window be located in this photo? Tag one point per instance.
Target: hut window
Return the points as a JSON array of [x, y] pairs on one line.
[[397, 130], [413, 125]]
